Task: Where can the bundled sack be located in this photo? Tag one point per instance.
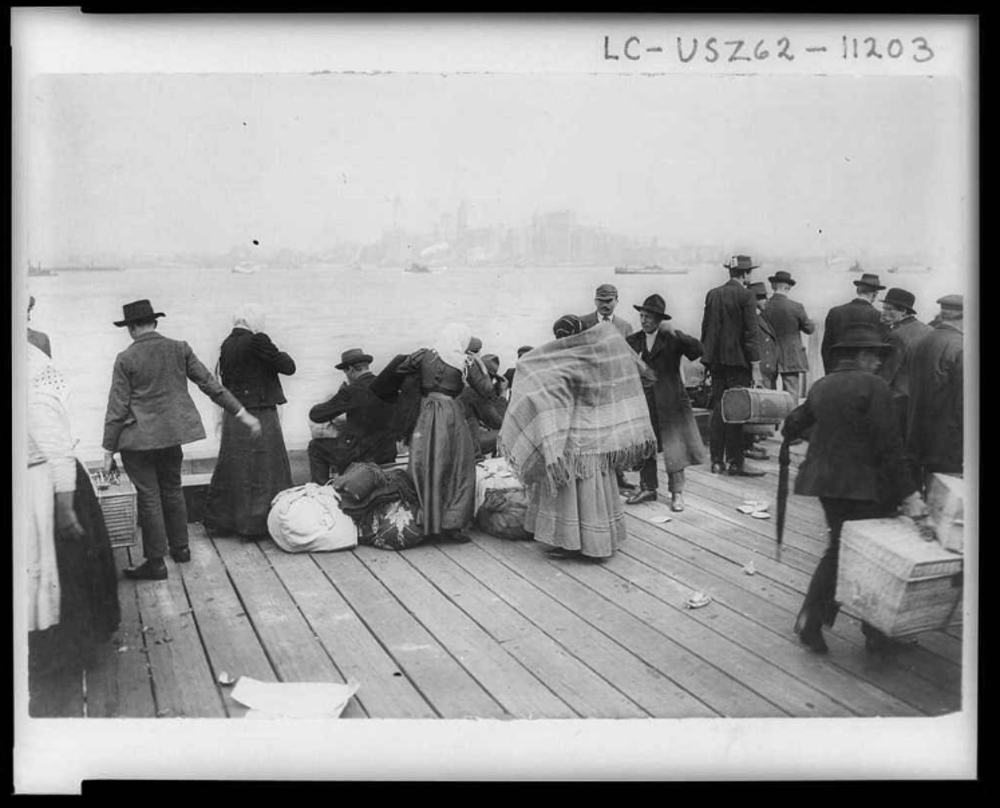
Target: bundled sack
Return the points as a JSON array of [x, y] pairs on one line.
[[503, 513], [308, 519], [391, 526]]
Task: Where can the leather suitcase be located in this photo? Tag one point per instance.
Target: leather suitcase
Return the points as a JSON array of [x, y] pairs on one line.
[[756, 405]]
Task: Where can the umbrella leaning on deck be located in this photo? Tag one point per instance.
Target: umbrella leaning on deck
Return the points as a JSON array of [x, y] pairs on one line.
[[784, 460]]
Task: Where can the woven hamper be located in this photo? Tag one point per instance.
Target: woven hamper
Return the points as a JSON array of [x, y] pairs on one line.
[[890, 577], [118, 503]]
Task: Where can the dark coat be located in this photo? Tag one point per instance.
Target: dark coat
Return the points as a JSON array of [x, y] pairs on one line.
[[936, 399], [669, 406], [367, 430], [855, 449], [249, 365], [149, 406], [896, 367], [591, 319], [788, 318], [482, 413], [838, 319], [729, 331], [768, 345]]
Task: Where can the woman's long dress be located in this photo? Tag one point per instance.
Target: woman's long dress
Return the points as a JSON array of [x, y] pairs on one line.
[[442, 456], [585, 515], [249, 472]]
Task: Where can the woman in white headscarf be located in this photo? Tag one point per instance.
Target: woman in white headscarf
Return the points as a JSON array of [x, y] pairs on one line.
[[249, 472], [442, 459], [72, 586]]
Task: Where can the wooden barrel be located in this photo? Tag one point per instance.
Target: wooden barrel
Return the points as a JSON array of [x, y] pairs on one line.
[[756, 405]]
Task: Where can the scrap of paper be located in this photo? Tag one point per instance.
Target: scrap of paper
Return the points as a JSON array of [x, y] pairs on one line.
[[293, 699]]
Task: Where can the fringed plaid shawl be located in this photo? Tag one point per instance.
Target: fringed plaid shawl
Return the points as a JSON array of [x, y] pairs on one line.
[[578, 407]]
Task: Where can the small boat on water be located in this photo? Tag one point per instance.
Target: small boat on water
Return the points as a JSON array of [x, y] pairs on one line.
[[855, 267], [246, 268], [415, 267], [909, 269], [649, 269], [37, 269]]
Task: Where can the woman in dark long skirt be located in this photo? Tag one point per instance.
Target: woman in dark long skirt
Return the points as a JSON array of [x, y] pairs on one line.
[[72, 585], [249, 472], [442, 459]]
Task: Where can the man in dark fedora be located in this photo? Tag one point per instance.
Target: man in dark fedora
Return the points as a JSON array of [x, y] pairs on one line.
[[660, 346], [150, 416], [788, 318], [859, 310], [854, 465], [905, 330], [935, 428], [605, 301], [363, 428], [729, 335]]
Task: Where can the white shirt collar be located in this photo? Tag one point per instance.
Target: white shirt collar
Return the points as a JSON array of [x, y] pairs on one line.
[[650, 340]]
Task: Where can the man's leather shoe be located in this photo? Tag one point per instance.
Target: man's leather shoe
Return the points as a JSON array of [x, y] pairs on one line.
[[739, 470], [152, 570], [625, 485], [180, 554], [814, 642], [677, 503], [718, 468], [641, 496]]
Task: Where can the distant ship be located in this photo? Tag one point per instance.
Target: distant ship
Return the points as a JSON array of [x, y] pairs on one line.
[[56, 270], [855, 267], [910, 269], [649, 269], [246, 268], [414, 267], [36, 269]]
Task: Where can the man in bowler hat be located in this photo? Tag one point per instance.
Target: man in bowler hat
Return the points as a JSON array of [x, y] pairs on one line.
[[859, 310], [150, 416], [905, 330], [365, 432], [729, 334], [788, 318], [854, 465], [935, 427], [605, 301]]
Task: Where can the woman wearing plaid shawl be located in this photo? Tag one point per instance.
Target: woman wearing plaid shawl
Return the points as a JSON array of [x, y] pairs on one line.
[[578, 414]]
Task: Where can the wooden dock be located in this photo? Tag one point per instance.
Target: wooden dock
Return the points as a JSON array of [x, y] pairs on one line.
[[497, 629]]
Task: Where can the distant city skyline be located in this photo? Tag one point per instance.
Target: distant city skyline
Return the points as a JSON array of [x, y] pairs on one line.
[[181, 164]]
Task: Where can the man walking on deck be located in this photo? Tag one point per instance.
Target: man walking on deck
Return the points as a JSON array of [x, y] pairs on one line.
[[150, 416], [729, 334]]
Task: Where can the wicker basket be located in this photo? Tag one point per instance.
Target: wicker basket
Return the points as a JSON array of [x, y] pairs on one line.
[[118, 503], [890, 577]]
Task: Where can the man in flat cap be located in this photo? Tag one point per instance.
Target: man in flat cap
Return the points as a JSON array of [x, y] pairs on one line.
[[357, 424], [605, 301], [935, 419], [730, 336], [859, 310], [788, 318], [150, 416], [905, 330]]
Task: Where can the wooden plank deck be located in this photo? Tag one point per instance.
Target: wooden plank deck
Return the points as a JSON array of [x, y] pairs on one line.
[[496, 629]]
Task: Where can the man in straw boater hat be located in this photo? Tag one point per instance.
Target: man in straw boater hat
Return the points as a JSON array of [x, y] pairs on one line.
[[905, 330], [365, 433], [788, 318], [854, 465], [150, 416], [859, 310], [935, 428], [729, 335], [661, 347]]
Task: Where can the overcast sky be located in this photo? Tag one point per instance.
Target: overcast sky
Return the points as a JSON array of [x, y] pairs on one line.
[[163, 164]]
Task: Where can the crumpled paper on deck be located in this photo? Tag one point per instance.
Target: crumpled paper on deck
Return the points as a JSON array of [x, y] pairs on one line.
[[293, 699]]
